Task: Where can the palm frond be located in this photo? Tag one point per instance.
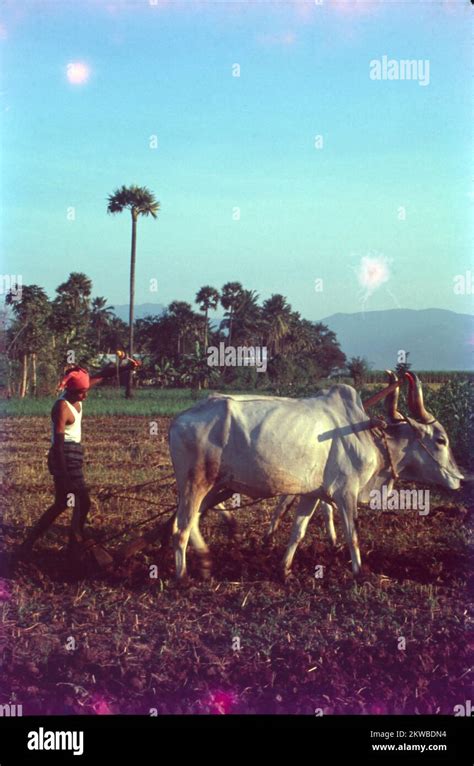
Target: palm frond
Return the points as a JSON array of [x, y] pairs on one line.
[[138, 199]]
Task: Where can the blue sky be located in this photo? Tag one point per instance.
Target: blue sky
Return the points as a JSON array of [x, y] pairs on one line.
[[248, 142]]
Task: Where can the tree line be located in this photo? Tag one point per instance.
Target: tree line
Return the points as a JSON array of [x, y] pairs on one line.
[[43, 335], [74, 328]]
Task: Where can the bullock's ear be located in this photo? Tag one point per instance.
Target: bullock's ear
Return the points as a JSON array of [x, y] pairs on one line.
[[412, 424]]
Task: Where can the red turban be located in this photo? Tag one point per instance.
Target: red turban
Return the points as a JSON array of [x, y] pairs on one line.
[[75, 379]]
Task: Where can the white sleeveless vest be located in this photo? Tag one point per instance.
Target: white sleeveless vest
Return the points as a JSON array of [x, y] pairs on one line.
[[72, 432]]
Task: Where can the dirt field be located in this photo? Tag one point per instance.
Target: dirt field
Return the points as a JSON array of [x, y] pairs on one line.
[[124, 642]]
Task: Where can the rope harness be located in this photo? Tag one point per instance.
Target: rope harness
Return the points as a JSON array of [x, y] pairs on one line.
[[107, 494], [379, 429]]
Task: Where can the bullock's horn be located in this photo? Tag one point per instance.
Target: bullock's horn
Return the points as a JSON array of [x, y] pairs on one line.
[[391, 400], [415, 399]]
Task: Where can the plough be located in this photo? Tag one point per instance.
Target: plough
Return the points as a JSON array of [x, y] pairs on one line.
[[159, 533]]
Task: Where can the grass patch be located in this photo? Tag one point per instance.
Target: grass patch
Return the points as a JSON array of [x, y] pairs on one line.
[[108, 401]]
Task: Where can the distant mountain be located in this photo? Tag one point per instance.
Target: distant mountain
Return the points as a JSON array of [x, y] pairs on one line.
[[436, 339], [141, 310]]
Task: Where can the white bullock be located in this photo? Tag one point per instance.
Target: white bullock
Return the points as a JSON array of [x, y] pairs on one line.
[[321, 448]]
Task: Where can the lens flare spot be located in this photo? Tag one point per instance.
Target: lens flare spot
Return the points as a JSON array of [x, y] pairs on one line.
[[373, 272], [78, 72]]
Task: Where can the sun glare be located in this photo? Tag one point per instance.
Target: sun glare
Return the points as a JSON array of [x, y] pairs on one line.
[[78, 73]]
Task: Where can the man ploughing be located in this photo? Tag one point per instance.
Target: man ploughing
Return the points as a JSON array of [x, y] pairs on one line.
[[65, 462]]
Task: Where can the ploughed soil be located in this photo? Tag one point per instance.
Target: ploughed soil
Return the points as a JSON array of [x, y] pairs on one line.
[[76, 638]]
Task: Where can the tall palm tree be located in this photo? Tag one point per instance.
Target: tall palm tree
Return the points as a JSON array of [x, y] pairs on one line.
[[230, 296], [140, 201], [208, 298]]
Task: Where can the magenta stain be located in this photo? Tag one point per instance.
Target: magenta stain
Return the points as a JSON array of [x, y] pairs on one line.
[[100, 706], [220, 702], [5, 593]]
